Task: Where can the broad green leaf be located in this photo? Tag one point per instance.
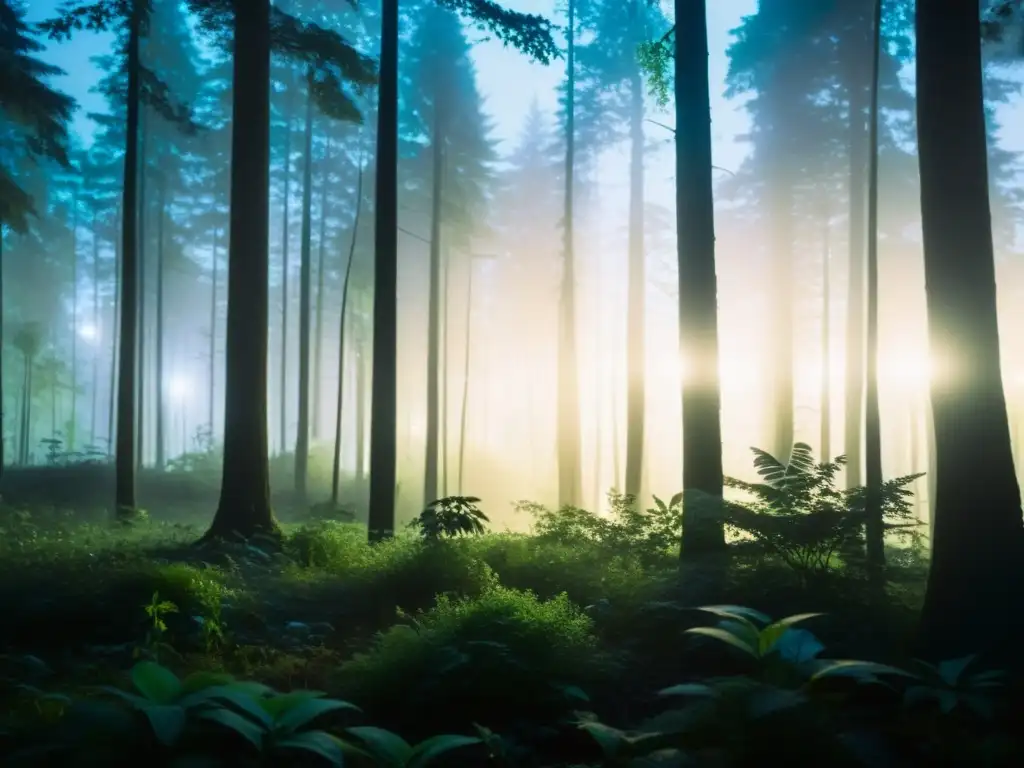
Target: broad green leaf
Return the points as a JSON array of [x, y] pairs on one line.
[[855, 669], [233, 721], [198, 681], [131, 698], [736, 612], [980, 705], [991, 679], [797, 646], [611, 740], [167, 722], [770, 635], [744, 630], [572, 692], [767, 700], [317, 743], [726, 637], [951, 669], [307, 711], [235, 700], [388, 749], [282, 702], [156, 683], [427, 750], [251, 688], [688, 689]]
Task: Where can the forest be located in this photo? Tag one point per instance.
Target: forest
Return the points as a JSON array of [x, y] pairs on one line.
[[588, 383]]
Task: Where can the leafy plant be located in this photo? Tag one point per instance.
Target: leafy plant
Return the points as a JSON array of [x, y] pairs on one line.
[[191, 716], [450, 517], [779, 649], [948, 686], [156, 611], [799, 516], [389, 750], [649, 533]]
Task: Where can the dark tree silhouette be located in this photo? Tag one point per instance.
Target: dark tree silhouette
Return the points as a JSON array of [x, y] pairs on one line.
[[977, 533]]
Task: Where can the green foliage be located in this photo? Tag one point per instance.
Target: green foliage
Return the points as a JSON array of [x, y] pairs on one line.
[[528, 33], [35, 117], [450, 517], [799, 516], [655, 59], [789, 705], [504, 648], [156, 611], [647, 533], [505, 654]]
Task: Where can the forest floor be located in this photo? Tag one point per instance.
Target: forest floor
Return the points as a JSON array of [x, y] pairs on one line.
[[529, 632]]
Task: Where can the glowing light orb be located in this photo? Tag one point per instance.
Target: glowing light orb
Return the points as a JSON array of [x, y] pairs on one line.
[[89, 332], [909, 372], [179, 388]]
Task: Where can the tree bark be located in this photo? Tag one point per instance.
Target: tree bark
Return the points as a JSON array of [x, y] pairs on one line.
[[125, 460], [285, 265], [874, 524], [212, 397], [383, 422], [158, 373], [244, 506], [342, 318], [703, 532], [305, 301], [318, 331], [570, 488], [636, 359], [977, 537], [857, 88], [430, 466]]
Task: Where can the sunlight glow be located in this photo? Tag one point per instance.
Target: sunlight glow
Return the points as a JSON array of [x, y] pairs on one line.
[[179, 388], [89, 332], [911, 373]]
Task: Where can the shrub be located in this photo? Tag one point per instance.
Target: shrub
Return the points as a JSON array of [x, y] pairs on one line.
[[503, 657], [648, 534], [799, 516], [449, 518]]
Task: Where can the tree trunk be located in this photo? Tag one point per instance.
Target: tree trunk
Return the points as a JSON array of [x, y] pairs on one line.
[[73, 426], [781, 218], [3, 412], [698, 287], [360, 355], [97, 336], [244, 506], [825, 402], [140, 322], [305, 301], [857, 88], [978, 538], [115, 344], [212, 397], [126, 459], [158, 373], [636, 359], [318, 332], [383, 424], [430, 471], [285, 216], [336, 465], [464, 415], [874, 523], [569, 467]]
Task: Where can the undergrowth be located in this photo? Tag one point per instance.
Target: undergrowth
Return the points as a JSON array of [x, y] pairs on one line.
[[523, 650]]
